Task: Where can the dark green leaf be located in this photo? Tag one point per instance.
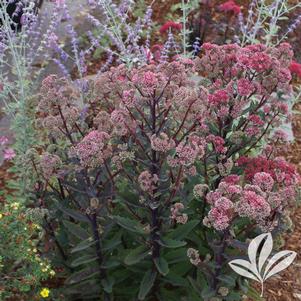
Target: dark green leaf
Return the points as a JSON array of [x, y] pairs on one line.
[[146, 284], [227, 279], [83, 245], [83, 260], [112, 243], [162, 265], [129, 224], [175, 256], [76, 215], [171, 243], [82, 275], [175, 279], [76, 230], [136, 255], [207, 293], [195, 286], [183, 230], [233, 296], [111, 263], [108, 284]]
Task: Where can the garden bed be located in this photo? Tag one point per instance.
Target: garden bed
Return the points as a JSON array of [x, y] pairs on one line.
[[151, 179]]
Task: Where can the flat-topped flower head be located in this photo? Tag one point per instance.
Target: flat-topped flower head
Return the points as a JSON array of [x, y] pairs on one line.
[[230, 7], [264, 181], [147, 181], [94, 149], [295, 68], [253, 206], [170, 25]]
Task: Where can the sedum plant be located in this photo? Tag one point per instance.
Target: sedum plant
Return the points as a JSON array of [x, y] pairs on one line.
[[157, 180]]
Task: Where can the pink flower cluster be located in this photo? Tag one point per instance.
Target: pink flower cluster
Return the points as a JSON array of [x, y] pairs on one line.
[[177, 214], [162, 143], [188, 152], [264, 181], [253, 206], [258, 200], [94, 149], [170, 25], [295, 68], [58, 107], [245, 87], [147, 181], [49, 164], [218, 143], [281, 171], [231, 7], [221, 213], [8, 152]]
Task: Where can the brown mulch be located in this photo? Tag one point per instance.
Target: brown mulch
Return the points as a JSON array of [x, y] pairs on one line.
[[286, 286]]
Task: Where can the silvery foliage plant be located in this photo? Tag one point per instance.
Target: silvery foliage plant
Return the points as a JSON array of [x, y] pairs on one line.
[[24, 38]]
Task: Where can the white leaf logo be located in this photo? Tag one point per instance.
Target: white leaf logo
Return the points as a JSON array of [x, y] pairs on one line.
[[260, 267]]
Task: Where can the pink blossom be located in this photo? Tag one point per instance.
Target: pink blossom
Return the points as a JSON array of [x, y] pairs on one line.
[[128, 98], [156, 51], [162, 143], [213, 196], [283, 75], [280, 135], [264, 181], [147, 181], [170, 25], [232, 179], [255, 125], [219, 219], [276, 200], [187, 152], [193, 256], [9, 154], [280, 170], [218, 143], [200, 190], [94, 149], [149, 79], [253, 57], [49, 164], [3, 140], [253, 206], [177, 214], [244, 87], [230, 6], [223, 203], [229, 189], [295, 68], [219, 97]]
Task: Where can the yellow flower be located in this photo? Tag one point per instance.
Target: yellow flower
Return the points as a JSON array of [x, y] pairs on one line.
[[1, 215], [15, 205], [45, 292]]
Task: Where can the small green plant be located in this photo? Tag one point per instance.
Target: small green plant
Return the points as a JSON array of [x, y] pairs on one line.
[[22, 266]]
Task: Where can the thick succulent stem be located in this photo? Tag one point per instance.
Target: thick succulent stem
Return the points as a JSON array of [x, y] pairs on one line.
[[96, 236]]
